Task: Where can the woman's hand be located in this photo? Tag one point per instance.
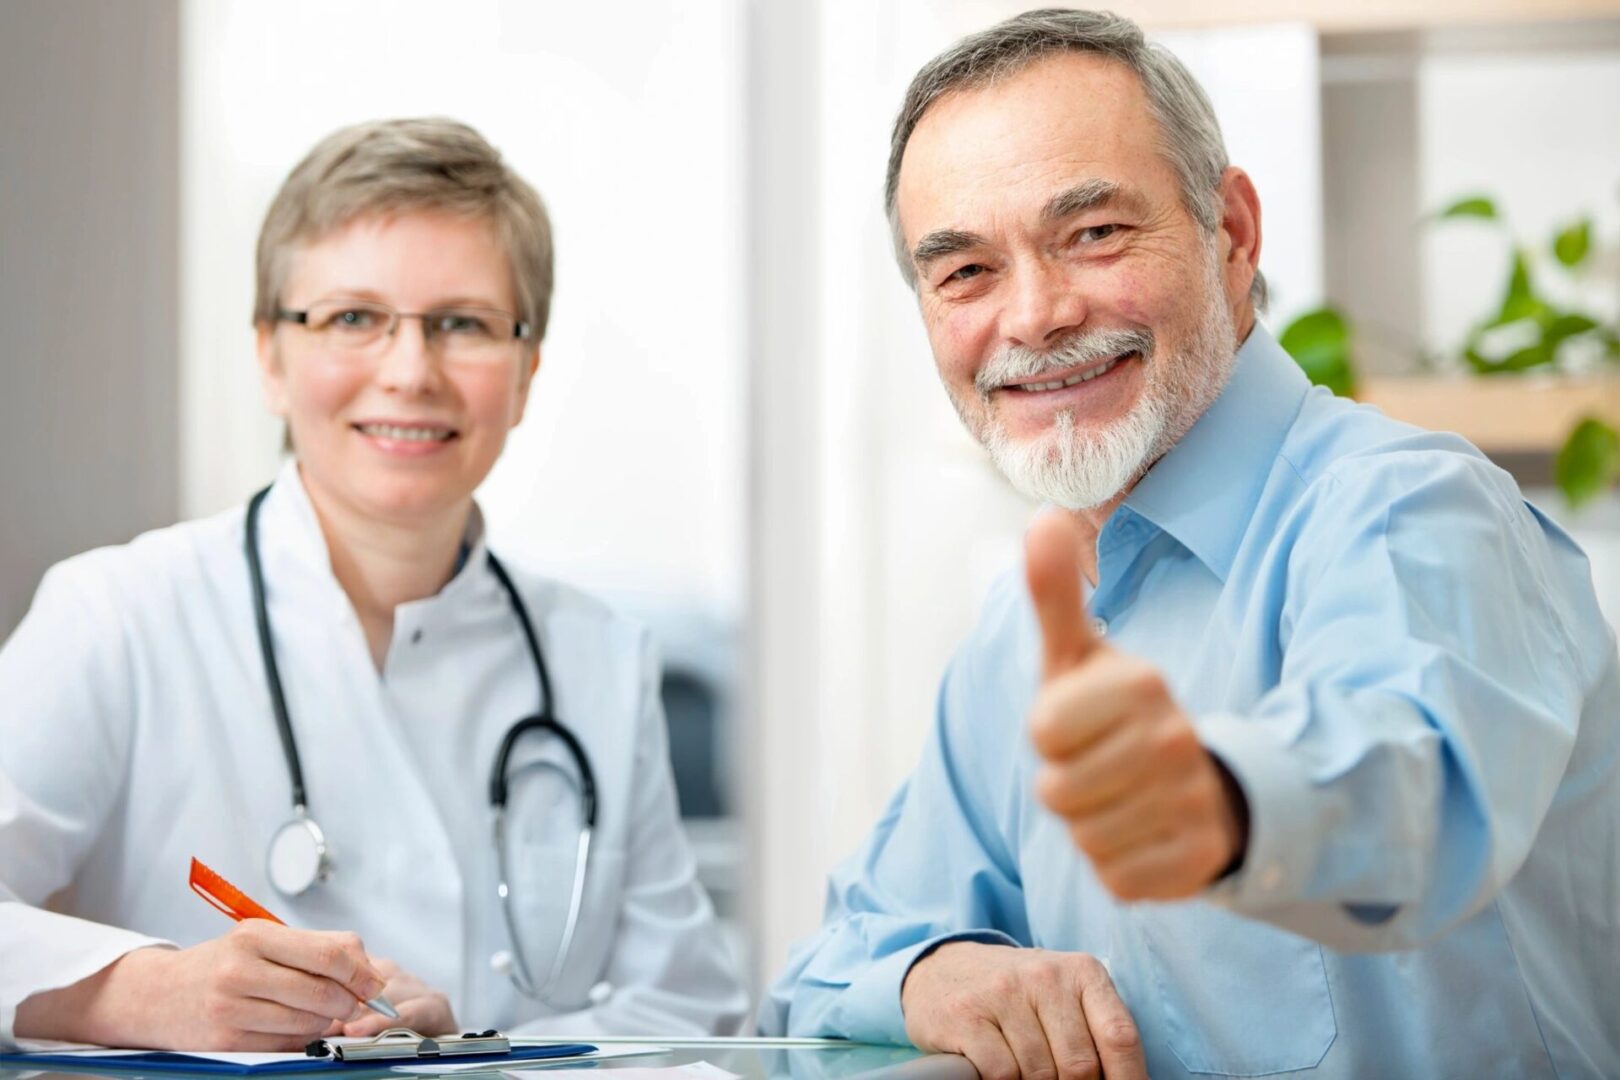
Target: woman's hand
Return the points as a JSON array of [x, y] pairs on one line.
[[421, 1008], [258, 987]]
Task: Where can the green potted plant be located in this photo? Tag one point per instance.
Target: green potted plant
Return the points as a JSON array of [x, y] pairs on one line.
[[1524, 331]]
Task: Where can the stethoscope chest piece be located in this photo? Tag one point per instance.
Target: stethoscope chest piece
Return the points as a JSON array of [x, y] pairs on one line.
[[298, 856]]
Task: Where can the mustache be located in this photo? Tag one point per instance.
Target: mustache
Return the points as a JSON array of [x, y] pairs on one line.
[[1016, 362]]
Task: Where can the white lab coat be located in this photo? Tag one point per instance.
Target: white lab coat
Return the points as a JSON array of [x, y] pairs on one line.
[[136, 732]]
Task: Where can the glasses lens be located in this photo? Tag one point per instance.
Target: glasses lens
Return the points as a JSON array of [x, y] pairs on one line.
[[474, 335], [348, 322]]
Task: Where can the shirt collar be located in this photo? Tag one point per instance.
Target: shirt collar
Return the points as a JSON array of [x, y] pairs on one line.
[[1203, 491], [292, 542]]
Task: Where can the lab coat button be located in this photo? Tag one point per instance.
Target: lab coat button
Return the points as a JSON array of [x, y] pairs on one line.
[[1099, 627], [416, 636]]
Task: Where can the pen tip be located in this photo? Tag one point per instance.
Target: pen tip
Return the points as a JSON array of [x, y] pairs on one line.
[[381, 1004]]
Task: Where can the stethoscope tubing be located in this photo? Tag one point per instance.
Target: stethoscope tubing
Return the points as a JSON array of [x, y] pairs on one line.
[[267, 652]]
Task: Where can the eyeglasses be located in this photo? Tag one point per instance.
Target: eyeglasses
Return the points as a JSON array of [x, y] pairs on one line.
[[466, 334]]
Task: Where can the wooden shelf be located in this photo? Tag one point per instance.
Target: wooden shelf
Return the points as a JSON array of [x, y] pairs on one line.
[[1501, 414], [1338, 16]]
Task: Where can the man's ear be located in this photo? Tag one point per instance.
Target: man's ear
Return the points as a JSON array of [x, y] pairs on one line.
[[272, 379], [1240, 223], [531, 365]]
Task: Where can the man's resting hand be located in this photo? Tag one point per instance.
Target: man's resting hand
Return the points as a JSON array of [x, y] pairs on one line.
[[1021, 1012]]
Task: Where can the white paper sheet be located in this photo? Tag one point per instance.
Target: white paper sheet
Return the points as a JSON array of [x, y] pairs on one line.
[[619, 1050], [232, 1057], [697, 1070]]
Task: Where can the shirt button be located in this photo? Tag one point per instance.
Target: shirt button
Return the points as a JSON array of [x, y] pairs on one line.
[[1099, 627]]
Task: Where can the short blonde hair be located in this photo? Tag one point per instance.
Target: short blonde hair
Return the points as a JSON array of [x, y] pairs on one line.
[[399, 166]]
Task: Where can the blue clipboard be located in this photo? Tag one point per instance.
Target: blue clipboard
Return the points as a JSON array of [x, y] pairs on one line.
[[167, 1061]]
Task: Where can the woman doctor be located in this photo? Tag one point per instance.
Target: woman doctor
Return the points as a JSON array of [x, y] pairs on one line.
[[404, 277]]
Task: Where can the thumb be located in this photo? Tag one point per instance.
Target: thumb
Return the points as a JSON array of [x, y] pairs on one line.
[[1052, 566]]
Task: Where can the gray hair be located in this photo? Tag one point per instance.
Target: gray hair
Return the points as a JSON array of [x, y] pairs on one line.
[[405, 166], [1189, 134]]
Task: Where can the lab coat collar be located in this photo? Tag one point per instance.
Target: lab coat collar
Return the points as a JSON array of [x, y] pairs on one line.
[[294, 547], [1204, 490]]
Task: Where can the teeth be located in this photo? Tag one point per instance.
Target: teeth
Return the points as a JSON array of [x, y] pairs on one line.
[[405, 434], [1075, 379]]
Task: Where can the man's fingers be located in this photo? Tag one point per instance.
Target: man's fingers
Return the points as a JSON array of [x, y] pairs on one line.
[[1113, 1032], [1058, 1009], [1052, 567], [984, 1045], [1172, 868], [1135, 822], [1082, 705], [1026, 1038]]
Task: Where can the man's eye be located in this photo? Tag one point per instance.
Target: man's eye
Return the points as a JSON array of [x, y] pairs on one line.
[[1096, 233], [962, 273]]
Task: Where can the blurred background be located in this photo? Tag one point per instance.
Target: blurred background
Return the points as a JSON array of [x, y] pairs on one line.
[[737, 435]]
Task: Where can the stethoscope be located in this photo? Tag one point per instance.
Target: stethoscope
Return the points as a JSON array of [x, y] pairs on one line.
[[299, 857]]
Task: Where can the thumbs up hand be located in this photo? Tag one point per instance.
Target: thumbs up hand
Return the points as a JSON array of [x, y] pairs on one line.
[[1156, 814]]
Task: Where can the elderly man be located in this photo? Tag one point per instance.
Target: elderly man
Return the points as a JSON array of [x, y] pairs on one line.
[[1326, 778]]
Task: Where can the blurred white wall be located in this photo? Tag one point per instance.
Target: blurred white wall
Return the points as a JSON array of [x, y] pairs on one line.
[[628, 470], [1533, 122], [1536, 125]]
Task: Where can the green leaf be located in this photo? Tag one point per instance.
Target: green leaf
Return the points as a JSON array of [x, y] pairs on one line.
[[1533, 356], [1589, 462], [1319, 341], [1520, 301], [1558, 328], [1571, 246], [1474, 206], [1529, 356]]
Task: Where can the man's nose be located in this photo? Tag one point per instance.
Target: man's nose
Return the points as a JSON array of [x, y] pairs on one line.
[[407, 363], [1045, 304]]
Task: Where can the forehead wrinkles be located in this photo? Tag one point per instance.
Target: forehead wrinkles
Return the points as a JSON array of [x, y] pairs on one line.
[[1064, 118]]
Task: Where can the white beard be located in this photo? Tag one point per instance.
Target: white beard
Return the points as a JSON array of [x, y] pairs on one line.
[[1078, 469]]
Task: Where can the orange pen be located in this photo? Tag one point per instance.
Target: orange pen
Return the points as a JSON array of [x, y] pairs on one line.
[[238, 905]]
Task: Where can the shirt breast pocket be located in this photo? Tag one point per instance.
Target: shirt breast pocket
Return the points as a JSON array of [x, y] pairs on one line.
[[1236, 997]]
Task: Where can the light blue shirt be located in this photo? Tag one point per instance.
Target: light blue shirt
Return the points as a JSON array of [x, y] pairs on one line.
[[1404, 666]]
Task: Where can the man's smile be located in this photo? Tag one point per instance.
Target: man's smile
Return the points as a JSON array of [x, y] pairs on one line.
[[1064, 378]]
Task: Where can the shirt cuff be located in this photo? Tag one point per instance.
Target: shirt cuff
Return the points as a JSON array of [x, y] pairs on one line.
[[868, 1009], [45, 950], [1283, 833]]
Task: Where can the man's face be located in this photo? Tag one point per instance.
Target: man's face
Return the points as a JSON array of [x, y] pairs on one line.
[[1077, 312]]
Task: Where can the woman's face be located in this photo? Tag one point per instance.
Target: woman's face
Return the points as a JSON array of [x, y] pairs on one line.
[[402, 429]]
